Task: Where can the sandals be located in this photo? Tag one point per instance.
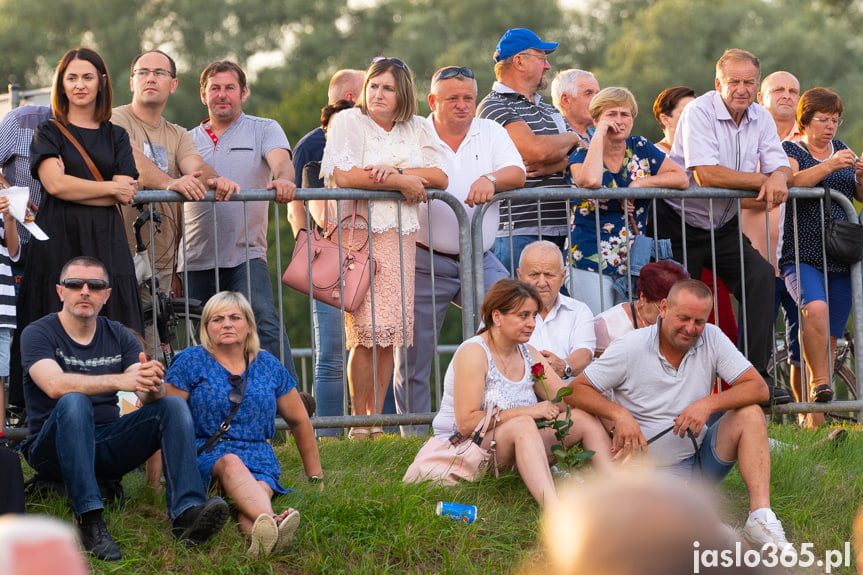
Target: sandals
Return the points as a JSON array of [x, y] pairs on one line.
[[822, 393], [375, 432], [286, 531], [265, 535]]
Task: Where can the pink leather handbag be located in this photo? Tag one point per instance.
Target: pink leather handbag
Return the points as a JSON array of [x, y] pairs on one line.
[[331, 273]]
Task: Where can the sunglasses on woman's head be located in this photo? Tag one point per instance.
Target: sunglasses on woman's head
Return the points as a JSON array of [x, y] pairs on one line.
[[78, 284], [452, 72], [394, 61]]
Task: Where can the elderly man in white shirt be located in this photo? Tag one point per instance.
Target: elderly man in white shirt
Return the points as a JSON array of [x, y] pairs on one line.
[[481, 160], [564, 332]]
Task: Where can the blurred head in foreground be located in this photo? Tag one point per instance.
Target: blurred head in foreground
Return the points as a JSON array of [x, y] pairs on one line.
[[39, 545], [637, 523]]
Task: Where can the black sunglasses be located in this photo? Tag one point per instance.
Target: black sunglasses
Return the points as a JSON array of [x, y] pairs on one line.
[[235, 396], [394, 61], [452, 72], [77, 284]]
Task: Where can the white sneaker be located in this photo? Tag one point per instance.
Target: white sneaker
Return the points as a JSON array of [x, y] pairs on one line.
[[759, 532]]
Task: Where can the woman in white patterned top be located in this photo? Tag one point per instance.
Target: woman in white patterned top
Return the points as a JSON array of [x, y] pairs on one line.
[[381, 145], [495, 368]]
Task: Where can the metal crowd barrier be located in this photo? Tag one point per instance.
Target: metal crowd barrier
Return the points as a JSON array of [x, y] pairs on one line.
[[473, 290], [574, 194], [302, 354]]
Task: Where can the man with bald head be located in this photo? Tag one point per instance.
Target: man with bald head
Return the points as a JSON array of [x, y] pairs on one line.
[[481, 160], [780, 93], [344, 85], [167, 159], [662, 377], [564, 332]]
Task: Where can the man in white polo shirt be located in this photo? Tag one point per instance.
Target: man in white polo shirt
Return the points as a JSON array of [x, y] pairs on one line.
[[564, 332], [481, 160], [662, 377]]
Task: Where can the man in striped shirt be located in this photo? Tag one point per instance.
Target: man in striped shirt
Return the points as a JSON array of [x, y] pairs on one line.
[[541, 135]]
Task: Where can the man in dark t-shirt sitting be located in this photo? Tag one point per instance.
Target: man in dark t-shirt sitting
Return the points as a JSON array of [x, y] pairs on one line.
[[74, 364]]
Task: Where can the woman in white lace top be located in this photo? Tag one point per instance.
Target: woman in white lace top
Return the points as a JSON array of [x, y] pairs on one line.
[[381, 145], [495, 368]]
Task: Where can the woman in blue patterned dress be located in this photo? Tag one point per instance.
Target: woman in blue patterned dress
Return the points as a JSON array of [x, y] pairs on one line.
[[818, 160], [614, 159], [229, 368]]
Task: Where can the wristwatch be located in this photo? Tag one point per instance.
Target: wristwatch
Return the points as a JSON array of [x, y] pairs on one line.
[[567, 371], [315, 479], [491, 179]]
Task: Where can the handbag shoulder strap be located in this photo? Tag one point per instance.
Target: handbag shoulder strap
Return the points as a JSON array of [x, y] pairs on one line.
[[226, 425], [93, 169], [482, 427]]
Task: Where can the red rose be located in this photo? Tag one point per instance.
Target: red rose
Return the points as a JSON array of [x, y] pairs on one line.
[[537, 371]]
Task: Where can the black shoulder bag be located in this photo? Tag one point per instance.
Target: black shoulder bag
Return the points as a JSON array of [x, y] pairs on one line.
[[843, 240], [236, 397]]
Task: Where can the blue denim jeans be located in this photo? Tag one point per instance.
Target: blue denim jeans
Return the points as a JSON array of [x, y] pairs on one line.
[[71, 448], [329, 363], [202, 286], [329, 368]]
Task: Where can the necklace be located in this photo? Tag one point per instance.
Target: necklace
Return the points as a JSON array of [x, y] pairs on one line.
[[503, 365], [638, 315]]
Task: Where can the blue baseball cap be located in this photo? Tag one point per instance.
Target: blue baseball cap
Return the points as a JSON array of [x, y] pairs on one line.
[[518, 40]]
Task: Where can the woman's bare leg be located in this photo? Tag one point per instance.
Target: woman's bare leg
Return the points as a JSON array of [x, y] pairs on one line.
[[250, 496], [520, 442]]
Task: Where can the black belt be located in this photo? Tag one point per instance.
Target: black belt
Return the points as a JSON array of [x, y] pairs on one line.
[[453, 257]]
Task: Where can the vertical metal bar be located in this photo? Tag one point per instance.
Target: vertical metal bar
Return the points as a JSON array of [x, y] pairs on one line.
[[743, 311], [282, 333]]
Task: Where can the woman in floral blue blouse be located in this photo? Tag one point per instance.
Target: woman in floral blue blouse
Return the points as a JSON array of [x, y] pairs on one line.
[[614, 159]]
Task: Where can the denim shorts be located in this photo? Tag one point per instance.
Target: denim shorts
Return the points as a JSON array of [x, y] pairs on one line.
[[810, 287], [714, 467]]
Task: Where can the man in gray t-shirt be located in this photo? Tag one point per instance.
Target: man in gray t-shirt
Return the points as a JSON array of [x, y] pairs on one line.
[[662, 378]]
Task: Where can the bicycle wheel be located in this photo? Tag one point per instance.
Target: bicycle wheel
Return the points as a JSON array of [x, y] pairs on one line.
[[778, 367], [844, 378], [182, 326]]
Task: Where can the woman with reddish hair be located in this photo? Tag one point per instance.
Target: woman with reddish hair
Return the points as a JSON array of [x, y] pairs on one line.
[[653, 285]]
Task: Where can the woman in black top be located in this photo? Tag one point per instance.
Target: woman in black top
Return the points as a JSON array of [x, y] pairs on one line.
[[817, 160], [79, 214]]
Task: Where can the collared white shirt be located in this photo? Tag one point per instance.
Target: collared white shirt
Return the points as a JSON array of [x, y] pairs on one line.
[[567, 327], [707, 135], [486, 148]]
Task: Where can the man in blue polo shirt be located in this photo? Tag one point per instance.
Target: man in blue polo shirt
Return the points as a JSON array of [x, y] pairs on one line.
[[541, 135]]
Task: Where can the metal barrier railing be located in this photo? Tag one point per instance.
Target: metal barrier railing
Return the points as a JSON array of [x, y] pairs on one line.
[[571, 194], [471, 272]]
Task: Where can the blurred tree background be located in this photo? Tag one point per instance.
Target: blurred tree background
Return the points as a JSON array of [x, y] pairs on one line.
[[291, 47]]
